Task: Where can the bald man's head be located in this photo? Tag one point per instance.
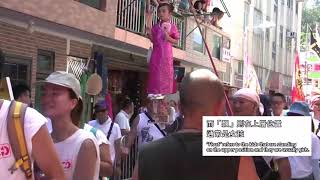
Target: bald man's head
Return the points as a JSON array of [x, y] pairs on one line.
[[201, 91]]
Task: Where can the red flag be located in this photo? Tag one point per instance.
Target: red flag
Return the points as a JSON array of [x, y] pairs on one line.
[[297, 91], [316, 67]]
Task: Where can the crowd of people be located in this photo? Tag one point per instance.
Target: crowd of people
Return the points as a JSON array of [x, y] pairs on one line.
[[61, 149], [54, 144]]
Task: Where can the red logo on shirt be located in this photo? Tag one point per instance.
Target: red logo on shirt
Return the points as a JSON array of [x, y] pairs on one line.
[[5, 150], [67, 164]]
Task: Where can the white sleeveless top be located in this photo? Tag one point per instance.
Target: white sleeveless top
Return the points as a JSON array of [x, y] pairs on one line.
[[68, 152], [147, 131], [33, 121]]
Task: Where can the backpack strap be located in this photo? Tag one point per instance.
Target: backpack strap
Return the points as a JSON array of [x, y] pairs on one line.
[[15, 128], [94, 131], [157, 126], [110, 130]]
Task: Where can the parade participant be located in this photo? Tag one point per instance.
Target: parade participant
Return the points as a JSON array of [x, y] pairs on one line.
[[144, 126], [106, 166], [22, 93], [278, 102], [305, 167], [163, 34], [38, 144], [104, 123], [246, 102], [77, 149], [123, 117], [315, 106]]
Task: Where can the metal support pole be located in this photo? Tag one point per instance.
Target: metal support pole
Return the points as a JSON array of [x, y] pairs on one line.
[[229, 110]]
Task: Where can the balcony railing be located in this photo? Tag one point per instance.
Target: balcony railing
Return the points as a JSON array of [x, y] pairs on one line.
[[131, 17]]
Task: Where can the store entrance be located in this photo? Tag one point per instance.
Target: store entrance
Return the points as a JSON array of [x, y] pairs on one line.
[[129, 83]]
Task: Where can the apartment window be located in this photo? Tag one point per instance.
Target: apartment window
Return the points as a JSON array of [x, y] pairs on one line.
[[216, 51], [281, 37], [246, 16], [257, 18], [17, 68], [297, 8], [98, 4], [258, 4], [240, 67], [257, 39], [268, 34], [45, 63], [268, 30], [288, 40], [289, 2], [275, 20], [226, 43], [197, 41], [45, 66]]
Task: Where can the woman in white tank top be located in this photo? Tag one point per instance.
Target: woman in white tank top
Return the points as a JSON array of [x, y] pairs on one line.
[[77, 149]]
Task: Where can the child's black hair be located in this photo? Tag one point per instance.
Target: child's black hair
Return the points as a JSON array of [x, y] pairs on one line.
[[168, 5], [196, 4]]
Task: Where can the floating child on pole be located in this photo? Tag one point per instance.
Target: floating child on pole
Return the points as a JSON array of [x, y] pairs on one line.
[[162, 34]]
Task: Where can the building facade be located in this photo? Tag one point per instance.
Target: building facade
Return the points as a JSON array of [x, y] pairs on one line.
[[272, 28], [39, 37]]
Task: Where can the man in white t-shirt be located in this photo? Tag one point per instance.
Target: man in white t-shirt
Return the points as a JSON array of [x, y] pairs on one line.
[[106, 168], [123, 117], [104, 123], [305, 167], [145, 127], [39, 145]]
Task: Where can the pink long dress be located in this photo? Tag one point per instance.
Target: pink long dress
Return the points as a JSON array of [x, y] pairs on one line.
[[161, 77]]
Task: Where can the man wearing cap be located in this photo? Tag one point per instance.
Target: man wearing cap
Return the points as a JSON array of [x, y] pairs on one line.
[[305, 167], [315, 106], [246, 102], [104, 123]]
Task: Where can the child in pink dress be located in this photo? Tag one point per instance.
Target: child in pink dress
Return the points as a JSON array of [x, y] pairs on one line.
[[162, 35]]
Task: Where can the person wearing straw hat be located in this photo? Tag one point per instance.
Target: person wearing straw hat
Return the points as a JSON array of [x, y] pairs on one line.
[[179, 156], [77, 149], [246, 102]]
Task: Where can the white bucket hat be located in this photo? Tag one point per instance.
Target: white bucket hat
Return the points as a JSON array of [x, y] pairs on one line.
[[64, 79]]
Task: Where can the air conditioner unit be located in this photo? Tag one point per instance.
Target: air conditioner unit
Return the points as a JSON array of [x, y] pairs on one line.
[[291, 34]]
